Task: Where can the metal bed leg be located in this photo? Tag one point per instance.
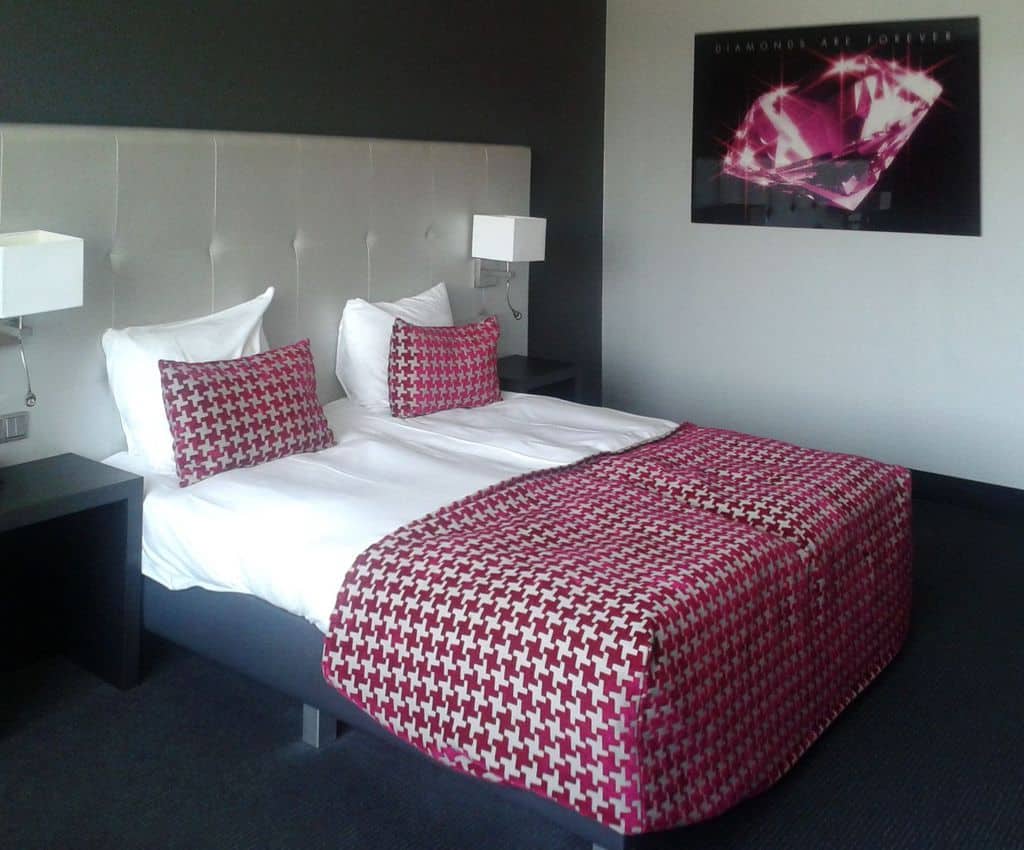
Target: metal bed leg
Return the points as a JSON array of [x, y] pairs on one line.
[[318, 727]]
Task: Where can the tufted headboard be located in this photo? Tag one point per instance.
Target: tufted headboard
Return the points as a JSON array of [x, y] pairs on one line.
[[184, 223]]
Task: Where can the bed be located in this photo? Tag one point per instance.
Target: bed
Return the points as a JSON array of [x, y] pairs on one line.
[[225, 582]]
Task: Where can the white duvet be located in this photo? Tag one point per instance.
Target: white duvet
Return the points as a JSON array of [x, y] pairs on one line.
[[289, 530]]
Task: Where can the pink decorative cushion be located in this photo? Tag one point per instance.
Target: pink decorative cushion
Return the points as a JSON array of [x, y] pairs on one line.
[[432, 369], [226, 414]]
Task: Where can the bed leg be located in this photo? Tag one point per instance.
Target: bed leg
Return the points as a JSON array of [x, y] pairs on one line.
[[318, 727]]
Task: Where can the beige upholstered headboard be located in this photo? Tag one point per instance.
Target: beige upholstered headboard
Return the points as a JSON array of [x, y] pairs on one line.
[[183, 223]]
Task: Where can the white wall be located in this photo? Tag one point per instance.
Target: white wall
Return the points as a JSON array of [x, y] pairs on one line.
[[907, 348]]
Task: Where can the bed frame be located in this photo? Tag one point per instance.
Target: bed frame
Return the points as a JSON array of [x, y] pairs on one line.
[[283, 651]]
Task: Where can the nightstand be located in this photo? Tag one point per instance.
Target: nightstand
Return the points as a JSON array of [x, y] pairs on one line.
[[70, 544], [520, 374]]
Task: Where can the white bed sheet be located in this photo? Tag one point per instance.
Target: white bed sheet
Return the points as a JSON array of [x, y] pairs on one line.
[[288, 531]]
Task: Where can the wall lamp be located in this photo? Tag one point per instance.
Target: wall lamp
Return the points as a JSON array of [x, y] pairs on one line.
[[509, 239], [39, 272]]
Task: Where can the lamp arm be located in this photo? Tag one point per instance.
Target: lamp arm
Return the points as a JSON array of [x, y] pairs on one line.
[[30, 397], [508, 292]]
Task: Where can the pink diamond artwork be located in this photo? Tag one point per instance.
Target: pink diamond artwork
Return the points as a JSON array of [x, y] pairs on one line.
[[834, 137]]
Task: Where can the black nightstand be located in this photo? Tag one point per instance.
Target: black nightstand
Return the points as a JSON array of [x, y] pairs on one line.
[[520, 374], [71, 543]]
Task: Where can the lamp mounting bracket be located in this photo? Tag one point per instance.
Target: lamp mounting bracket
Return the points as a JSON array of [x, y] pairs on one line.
[[14, 329], [486, 277]]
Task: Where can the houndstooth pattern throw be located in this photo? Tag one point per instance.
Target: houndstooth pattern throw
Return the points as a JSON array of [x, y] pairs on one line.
[[646, 637]]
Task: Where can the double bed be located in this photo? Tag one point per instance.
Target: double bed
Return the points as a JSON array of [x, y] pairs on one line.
[[787, 593]]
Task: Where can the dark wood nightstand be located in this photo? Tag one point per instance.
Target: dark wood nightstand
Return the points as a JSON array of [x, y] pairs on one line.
[[71, 544], [520, 374]]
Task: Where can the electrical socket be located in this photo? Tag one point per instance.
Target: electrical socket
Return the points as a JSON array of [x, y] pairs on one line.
[[13, 426]]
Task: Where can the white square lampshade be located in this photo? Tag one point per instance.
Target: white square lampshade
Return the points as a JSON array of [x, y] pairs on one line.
[[512, 238], [39, 271]]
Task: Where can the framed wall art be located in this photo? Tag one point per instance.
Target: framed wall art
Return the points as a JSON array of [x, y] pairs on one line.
[[859, 126]]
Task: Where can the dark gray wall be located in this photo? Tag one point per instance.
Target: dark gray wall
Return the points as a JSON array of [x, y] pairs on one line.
[[529, 73]]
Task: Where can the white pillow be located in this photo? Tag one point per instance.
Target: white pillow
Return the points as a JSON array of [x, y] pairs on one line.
[[364, 340], [132, 355]]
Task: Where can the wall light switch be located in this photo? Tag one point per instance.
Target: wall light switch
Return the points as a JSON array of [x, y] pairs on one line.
[[13, 426]]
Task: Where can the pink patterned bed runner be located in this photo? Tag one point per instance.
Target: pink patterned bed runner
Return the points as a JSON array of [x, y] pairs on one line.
[[646, 637]]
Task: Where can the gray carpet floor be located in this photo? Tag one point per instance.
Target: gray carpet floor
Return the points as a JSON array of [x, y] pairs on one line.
[[930, 756]]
